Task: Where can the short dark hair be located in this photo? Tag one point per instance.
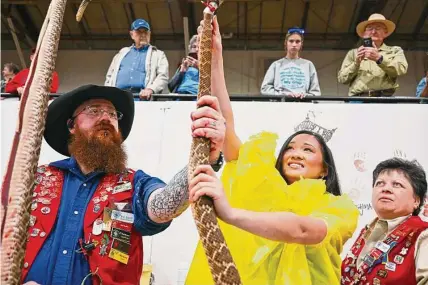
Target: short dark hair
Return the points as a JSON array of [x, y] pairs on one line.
[[12, 67], [332, 178], [413, 172]]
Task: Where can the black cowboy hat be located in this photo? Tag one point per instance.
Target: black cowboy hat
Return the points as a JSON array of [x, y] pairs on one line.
[[62, 109]]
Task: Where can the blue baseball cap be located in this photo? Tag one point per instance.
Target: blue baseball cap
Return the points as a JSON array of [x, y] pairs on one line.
[[140, 23]]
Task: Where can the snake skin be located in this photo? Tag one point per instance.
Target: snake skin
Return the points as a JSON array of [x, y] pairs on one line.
[[220, 261], [18, 182]]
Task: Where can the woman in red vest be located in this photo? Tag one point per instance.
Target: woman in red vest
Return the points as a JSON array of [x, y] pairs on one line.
[[393, 248]]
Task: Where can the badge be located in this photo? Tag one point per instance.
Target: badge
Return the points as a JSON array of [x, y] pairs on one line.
[[96, 200], [122, 188], [48, 184], [46, 210], [122, 216], [352, 272], [53, 195], [121, 234], [376, 281], [48, 173], [97, 227], [123, 206], [347, 269], [382, 246], [104, 243], [398, 259], [44, 201], [119, 256], [35, 232], [109, 189], [390, 266], [41, 169], [369, 260], [408, 243], [404, 251], [32, 220], [120, 246], [382, 273], [33, 205], [104, 198], [34, 194], [107, 219], [43, 193], [121, 179], [97, 208], [127, 227]]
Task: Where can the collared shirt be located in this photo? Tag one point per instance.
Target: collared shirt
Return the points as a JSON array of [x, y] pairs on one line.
[[190, 83], [57, 261], [370, 76], [421, 86], [132, 69], [382, 228]]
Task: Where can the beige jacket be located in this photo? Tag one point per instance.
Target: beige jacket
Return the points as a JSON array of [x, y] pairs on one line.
[[157, 73]]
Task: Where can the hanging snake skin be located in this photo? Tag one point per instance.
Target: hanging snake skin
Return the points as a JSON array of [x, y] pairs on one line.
[[223, 269], [18, 181]]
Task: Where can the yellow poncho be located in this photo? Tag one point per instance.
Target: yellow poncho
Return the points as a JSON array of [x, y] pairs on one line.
[[253, 183]]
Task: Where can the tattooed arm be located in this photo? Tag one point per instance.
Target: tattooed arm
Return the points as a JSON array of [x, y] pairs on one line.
[[169, 202]]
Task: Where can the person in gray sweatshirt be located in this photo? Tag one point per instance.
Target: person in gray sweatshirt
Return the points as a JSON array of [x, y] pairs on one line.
[[292, 76]]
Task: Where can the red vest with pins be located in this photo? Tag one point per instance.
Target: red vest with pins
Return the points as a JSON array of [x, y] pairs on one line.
[[102, 259], [390, 262]]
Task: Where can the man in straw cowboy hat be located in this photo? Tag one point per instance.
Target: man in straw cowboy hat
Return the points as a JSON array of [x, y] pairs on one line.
[[89, 211], [373, 70]]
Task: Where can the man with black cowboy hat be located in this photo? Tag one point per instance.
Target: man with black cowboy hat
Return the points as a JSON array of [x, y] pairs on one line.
[[89, 211], [373, 70]]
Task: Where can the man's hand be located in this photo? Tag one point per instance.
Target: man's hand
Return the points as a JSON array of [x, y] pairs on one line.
[[372, 53], [20, 90], [205, 182], [146, 93], [208, 122], [360, 54]]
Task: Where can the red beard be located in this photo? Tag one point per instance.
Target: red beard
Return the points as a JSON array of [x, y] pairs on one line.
[[101, 150]]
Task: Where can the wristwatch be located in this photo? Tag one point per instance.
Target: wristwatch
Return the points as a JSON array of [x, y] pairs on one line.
[[219, 163], [379, 61]]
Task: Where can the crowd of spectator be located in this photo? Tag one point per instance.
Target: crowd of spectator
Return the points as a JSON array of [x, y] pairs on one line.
[[371, 70]]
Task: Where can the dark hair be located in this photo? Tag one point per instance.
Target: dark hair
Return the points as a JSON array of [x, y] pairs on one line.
[[12, 67], [414, 173], [332, 179]]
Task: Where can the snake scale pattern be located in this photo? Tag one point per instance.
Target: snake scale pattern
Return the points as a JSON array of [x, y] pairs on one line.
[[220, 261], [18, 181]]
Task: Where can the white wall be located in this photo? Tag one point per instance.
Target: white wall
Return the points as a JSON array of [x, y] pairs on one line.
[[159, 144], [244, 69]]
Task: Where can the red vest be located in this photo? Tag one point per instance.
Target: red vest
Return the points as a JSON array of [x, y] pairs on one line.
[[396, 266], [46, 201]]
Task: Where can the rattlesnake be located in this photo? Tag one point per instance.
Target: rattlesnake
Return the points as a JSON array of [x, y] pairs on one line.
[[220, 261], [19, 178]]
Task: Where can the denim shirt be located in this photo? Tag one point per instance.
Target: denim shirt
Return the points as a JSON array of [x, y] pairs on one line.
[[132, 69], [57, 261]]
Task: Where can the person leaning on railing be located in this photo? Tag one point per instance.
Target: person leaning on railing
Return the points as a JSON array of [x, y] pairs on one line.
[[292, 75], [373, 71]]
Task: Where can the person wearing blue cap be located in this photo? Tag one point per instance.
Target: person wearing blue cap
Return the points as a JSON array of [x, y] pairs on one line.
[[140, 68]]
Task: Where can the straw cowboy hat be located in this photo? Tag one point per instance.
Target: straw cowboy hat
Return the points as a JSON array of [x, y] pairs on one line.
[[376, 18]]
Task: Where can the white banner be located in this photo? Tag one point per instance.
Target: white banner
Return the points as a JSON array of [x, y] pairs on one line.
[[159, 144]]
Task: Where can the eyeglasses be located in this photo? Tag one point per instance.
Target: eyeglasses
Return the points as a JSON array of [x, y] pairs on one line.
[[296, 30], [377, 29], [97, 112]]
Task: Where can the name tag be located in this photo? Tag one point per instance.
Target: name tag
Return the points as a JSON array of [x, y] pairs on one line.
[[122, 216], [122, 226], [390, 266], [119, 256], [121, 234], [122, 188], [382, 246], [121, 246]]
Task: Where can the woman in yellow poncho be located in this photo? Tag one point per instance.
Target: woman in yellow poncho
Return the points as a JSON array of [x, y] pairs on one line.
[[284, 219]]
